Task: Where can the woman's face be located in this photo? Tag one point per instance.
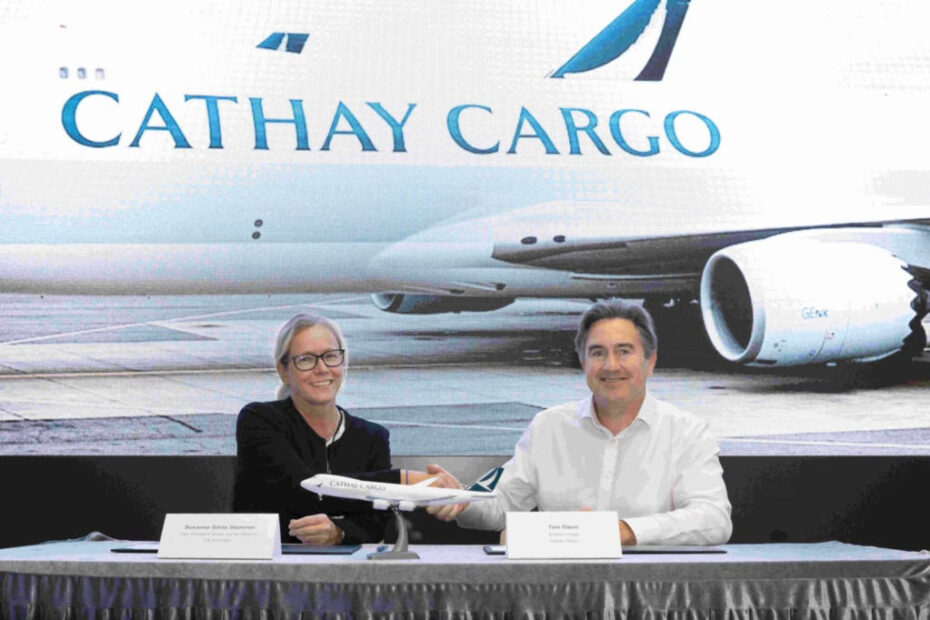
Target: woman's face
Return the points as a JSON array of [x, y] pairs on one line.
[[316, 387]]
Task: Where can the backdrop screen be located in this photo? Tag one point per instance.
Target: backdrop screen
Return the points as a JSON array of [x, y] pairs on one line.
[[454, 183]]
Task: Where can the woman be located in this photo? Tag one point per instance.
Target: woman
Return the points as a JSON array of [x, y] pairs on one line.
[[304, 433]]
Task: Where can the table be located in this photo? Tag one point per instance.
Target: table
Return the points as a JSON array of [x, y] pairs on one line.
[[823, 580]]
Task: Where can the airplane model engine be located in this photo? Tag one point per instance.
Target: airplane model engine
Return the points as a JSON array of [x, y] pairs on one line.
[[383, 504], [404, 303], [787, 301]]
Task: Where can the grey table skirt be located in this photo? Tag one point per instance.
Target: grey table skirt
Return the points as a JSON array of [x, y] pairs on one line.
[[825, 580]]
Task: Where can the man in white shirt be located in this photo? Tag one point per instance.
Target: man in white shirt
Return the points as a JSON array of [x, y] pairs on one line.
[[620, 449]]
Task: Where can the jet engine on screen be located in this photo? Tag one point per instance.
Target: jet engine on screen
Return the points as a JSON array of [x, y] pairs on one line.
[[788, 301]]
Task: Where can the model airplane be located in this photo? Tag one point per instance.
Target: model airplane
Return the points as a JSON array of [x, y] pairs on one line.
[[423, 156], [384, 495]]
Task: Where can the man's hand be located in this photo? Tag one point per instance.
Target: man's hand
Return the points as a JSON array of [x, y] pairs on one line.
[[315, 530], [444, 480], [627, 537]]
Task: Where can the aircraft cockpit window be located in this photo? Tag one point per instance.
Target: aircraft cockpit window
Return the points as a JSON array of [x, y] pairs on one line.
[[63, 73], [99, 73], [81, 73]]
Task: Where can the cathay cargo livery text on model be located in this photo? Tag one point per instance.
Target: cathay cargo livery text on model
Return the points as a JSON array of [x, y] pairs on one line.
[[456, 156], [384, 495]]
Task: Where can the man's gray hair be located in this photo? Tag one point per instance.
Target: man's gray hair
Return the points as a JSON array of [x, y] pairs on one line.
[[617, 309], [295, 324]]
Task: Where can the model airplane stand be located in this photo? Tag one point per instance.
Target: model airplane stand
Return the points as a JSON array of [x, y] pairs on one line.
[[399, 551]]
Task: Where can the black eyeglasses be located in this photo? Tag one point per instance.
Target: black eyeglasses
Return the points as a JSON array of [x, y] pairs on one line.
[[331, 359]]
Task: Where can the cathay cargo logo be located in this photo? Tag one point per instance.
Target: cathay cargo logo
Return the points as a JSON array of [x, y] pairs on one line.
[[621, 34], [473, 127]]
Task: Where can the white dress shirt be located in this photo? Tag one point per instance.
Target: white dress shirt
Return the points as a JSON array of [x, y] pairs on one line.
[[661, 474]]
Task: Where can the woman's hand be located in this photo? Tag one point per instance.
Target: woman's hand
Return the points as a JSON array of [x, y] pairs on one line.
[[316, 530]]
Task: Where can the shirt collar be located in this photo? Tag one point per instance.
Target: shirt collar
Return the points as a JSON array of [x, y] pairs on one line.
[[647, 412]]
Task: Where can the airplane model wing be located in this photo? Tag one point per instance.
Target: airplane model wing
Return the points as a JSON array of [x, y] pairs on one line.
[[450, 498]]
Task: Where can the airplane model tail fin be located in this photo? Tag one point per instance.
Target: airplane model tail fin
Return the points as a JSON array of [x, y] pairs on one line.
[[488, 481]]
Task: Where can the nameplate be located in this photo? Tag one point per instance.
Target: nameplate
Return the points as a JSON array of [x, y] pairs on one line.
[[220, 537], [562, 535]]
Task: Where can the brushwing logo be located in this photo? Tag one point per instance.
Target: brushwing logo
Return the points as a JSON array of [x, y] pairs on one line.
[[293, 41], [622, 33], [488, 481]]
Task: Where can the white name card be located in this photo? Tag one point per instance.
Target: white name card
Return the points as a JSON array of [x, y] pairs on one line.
[[563, 535], [220, 537]]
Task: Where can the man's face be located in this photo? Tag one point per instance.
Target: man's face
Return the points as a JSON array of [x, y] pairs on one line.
[[615, 364], [319, 386]]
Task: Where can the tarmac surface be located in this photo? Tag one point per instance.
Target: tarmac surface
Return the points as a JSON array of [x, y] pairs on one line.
[[168, 375]]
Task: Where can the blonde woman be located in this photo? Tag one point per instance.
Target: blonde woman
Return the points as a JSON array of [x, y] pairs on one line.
[[304, 433]]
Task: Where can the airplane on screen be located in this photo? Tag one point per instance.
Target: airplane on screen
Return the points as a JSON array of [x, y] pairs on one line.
[[447, 158], [385, 495]]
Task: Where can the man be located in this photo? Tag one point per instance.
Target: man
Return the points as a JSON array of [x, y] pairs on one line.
[[620, 449]]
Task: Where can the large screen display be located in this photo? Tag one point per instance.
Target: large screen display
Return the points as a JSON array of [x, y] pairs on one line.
[[454, 182]]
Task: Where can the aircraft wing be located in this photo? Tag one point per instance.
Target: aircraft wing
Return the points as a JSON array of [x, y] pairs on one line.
[[655, 256], [455, 498], [681, 255], [438, 500], [441, 500], [842, 290]]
